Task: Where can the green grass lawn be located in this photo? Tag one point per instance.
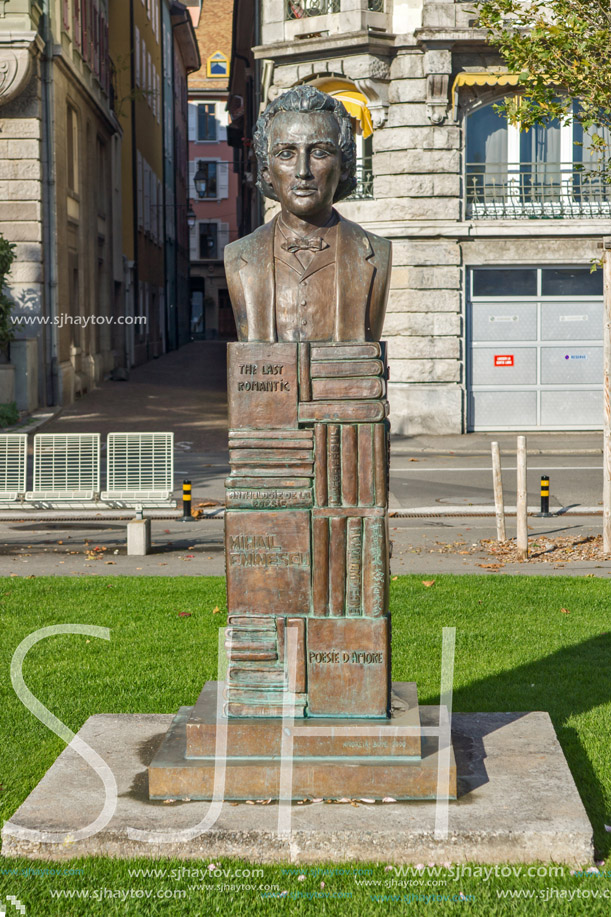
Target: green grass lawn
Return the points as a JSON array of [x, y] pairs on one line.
[[515, 650]]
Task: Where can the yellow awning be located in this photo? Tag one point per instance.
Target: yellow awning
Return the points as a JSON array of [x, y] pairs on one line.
[[483, 79], [354, 101]]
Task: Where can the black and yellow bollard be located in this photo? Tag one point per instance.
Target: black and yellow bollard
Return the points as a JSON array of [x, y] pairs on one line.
[[544, 495], [186, 501]]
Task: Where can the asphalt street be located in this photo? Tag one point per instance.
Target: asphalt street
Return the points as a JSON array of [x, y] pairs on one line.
[[424, 546], [433, 480]]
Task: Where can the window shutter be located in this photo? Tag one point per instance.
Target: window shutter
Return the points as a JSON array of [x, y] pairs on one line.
[[194, 243], [140, 192], [153, 207], [77, 27], [192, 171], [147, 197], [223, 180], [223, 238], [160, 213], [222, 118], [192, 122]]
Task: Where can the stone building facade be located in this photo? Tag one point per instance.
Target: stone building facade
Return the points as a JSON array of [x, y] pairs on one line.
[[212, 181], [82, 195], [57, 127], [494, 318]]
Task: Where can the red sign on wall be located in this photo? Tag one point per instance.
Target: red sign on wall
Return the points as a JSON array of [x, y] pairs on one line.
[[503, 359]]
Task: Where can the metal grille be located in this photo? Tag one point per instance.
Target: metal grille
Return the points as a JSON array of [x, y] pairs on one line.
[[364, 180], [140, 467], [535, 191], [303, 9], [535, 353], [66, 466], [13, 463]]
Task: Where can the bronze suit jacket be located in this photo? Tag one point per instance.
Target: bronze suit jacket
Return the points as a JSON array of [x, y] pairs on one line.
[[363, 275]]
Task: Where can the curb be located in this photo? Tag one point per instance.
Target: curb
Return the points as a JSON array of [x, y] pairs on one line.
[[33, 423], [489, 511]]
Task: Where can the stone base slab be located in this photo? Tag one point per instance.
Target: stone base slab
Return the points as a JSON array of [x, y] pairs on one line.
[[517, 803], [262, 736]]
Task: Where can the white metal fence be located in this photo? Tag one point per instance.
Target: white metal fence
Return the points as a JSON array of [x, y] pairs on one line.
[[139, 470], [13, 465], [140, 467]]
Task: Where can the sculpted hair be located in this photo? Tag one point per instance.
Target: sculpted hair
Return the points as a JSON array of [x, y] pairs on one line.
[[307, 99]]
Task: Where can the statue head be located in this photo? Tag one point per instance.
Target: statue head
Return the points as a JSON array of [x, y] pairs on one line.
[[308, 117]]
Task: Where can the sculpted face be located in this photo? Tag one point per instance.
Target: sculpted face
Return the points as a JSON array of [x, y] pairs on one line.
[[305, 162]]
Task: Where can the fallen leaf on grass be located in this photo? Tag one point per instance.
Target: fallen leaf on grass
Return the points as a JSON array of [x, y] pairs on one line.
[[184, 614], [394, 578], [565, 611], [428, 582], [216, 610]]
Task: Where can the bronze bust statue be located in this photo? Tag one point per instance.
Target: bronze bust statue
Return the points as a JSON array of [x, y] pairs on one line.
[[309, 274]]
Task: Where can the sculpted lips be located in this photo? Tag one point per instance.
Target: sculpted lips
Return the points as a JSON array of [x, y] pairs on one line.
[[303, 189]]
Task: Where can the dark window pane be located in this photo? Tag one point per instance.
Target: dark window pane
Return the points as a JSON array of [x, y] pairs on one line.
[[208, 240], [206, 122], [211, 192], [571, 281], [505, 282]]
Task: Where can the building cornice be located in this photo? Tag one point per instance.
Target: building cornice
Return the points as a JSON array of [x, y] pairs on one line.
[[334, 45], [491, 229], [18, 50]]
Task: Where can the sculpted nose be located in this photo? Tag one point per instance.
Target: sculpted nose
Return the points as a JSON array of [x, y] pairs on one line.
[[303, 165]]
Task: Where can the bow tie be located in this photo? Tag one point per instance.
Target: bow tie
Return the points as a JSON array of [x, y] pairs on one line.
[[317, 244]]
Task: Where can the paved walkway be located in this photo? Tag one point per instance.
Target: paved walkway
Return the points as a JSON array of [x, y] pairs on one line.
[[185, 392]]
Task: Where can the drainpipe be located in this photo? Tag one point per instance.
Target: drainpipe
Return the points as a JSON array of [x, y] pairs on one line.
[[136, 271], [49, 211], [258, 73]]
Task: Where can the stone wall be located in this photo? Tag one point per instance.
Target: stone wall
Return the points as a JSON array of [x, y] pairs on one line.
[[417, 202]]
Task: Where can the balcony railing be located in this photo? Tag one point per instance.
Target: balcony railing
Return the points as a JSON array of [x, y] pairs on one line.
[[303, 9], [364, 180], [536, 191]]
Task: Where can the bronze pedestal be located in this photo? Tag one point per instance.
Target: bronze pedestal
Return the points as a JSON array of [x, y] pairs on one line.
[[306, 537]]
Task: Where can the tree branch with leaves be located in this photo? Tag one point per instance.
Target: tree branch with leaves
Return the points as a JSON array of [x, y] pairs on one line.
[[561, 50]]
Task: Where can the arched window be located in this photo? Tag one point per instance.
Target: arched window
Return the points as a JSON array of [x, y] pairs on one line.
[[217, 65], [551, 170]]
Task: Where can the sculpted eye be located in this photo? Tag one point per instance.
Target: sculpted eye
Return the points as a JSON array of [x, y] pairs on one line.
[[284, 154], [319, 154]]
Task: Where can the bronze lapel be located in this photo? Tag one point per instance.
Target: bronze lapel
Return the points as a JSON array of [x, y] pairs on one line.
[[355, 271], [257, 276]]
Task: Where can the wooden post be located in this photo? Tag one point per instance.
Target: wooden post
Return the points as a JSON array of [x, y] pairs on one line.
[[607, 397], [522, 508], [497, 483]]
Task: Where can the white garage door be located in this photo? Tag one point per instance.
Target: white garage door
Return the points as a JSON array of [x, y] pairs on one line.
[[535, 354]]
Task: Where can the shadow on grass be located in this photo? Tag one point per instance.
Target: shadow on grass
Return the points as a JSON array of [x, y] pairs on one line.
[[572, 681]]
